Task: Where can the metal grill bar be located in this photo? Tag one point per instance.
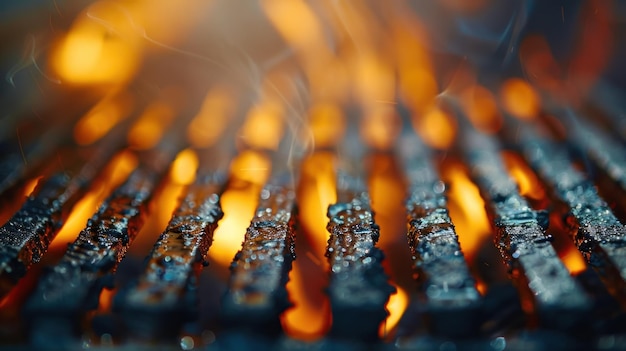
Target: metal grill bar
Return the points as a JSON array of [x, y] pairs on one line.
[[164, 297], [26, 236], [447, 288], [522, 240], [358, 287], [597, 232], [256, 293]]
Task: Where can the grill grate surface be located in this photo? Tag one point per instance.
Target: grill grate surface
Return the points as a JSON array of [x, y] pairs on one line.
[[550, 309]]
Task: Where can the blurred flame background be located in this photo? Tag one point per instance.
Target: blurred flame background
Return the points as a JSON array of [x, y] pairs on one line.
[[308, 70]]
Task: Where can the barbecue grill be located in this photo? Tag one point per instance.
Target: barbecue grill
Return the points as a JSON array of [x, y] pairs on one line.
[[304, 189]]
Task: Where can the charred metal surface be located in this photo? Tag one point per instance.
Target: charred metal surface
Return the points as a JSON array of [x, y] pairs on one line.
[[256, 293], [72, 287], [597, 232], [26, 236], [605, 151], [559, 301], [447, 287], [358, 287], [163, 297], [13, 166]]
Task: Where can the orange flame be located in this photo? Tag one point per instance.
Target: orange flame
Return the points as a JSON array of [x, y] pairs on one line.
[[113, 175], [436, 127], [93, 53], [316, 191], [31, 185], [519, 99], [181, 173], [527, 181], [249, 171], [299, 26], [309, 318], [573, 260], [107, 42], [149, 129], [388, 194], [102, 117], [396, 306], [326, 124], [105, 301], [183, 170], [212, 119], [467, 208], [374, 83], [482, 110], [417, 83], [263, 127]]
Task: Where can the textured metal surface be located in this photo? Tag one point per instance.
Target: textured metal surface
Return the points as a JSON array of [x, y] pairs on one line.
[[26, 236], [597, 232], [256, 294], [559, 301], [163, 297], [447, 288], [604, 150], [358, 287], [71, 288]]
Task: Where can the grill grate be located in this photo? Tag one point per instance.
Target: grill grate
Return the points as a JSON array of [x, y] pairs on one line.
[[551, 308], [274, 141]]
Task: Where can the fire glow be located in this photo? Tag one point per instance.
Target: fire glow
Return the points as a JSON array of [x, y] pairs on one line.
[[306, 75]]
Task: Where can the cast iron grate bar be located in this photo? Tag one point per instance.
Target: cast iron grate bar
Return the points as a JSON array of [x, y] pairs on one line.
[[446, 285], [358, 289], [26, 236], [606, 152], [164, 297], [597, 232], [72, 287], [257, 294], [559, 302]]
